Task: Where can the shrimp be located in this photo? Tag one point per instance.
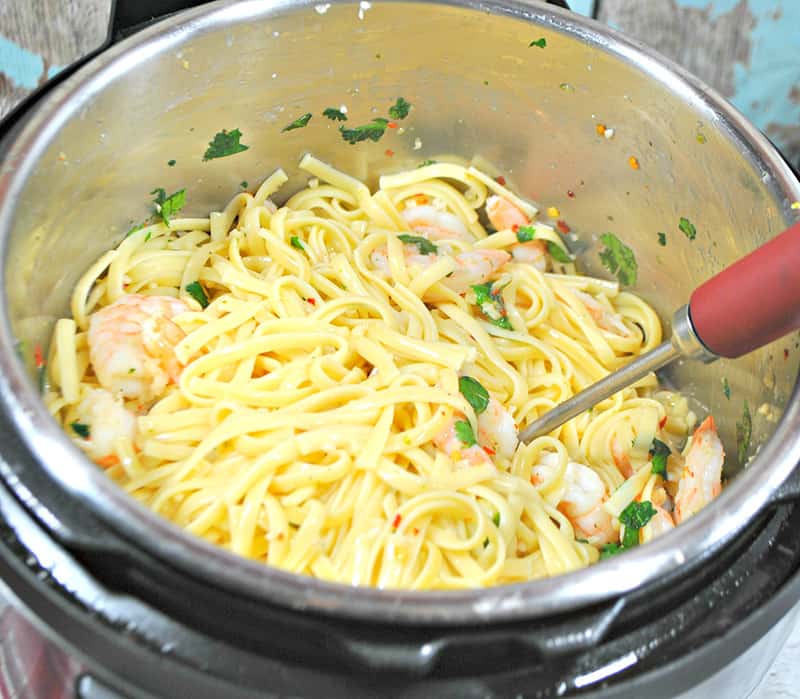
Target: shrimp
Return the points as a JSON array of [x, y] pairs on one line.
[[605, 319], [503, 215], [660, 524], [108, 421], [701, 480], [447, 440], [497, 434], [435, 224], [621, 460], [582, 500], [475, 267], [497, 429], [471, 267], [531, 253], [131, 345]]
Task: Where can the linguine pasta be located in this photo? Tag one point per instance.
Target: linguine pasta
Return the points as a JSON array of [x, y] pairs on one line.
[[317, 417]]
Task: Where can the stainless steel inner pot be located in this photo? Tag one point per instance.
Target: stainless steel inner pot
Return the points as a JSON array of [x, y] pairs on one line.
[[78, 174]]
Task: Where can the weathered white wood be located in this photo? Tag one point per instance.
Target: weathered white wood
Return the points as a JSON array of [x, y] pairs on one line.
[[59, 31], [781, 681], [748, 50], [706, 45]]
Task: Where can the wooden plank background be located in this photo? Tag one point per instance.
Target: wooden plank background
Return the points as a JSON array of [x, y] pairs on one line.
[[749, 50], [38, 37]]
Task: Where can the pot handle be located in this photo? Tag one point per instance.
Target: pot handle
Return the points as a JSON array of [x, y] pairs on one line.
[[508, 647], [129, 15]]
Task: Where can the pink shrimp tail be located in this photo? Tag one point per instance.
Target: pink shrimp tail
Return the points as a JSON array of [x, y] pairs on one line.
[[504, 214]]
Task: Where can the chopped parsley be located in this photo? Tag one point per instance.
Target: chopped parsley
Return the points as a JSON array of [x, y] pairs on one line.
[[558, 253], [167, 206], [634, 517], [80, 429], [298, 123], [726, 387], [297, 243], [659, 453], [42, 377], [425, 246], [541, 43], [608, 550], [687, 227], [618, 259], [334, 114], [744, 431], [425, 163], [465, 434], [662, 238], [197, 292], [372, 131], [477, 396], [525, 234], [400, 109], [171, 163], [491, 304], [496, 519], [243, 184], [224, 143], [135, 228]]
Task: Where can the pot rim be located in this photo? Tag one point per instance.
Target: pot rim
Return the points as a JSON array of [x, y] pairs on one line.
[[66, 464]]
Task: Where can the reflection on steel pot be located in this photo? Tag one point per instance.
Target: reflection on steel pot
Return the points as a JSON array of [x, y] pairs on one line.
[[77, 168]]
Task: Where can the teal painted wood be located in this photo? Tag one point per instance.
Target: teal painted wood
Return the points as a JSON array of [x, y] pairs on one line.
[[38, 37], [749, 50]]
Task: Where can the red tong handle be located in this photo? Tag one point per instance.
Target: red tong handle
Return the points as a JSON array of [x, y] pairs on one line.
[[752, 302]]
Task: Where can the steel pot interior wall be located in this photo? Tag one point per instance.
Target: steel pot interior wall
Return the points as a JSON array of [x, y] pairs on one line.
[[78, 181], [528, 113]]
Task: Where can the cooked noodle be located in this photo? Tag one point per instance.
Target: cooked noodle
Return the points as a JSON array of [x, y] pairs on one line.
[[300, 429]]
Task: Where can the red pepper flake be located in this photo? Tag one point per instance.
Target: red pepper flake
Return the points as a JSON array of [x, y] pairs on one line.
[[489, 451], [785, 353], [421, 199], [392, 124], [601, 129], [500, 180], [108, 460], [662, 422], [37, 356], [397, 520], [389, 152], [415, 530], [563, 227], [570, 194], [515, 227], [312, 301], [633, 161]]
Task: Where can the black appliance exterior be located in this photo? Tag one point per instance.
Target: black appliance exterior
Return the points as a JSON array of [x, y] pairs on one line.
[[145, 629]]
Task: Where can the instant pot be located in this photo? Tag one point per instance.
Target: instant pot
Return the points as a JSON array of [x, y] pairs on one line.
[[107, 600]]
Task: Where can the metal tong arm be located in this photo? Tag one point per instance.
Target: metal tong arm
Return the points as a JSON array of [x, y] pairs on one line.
[[684, 342]]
